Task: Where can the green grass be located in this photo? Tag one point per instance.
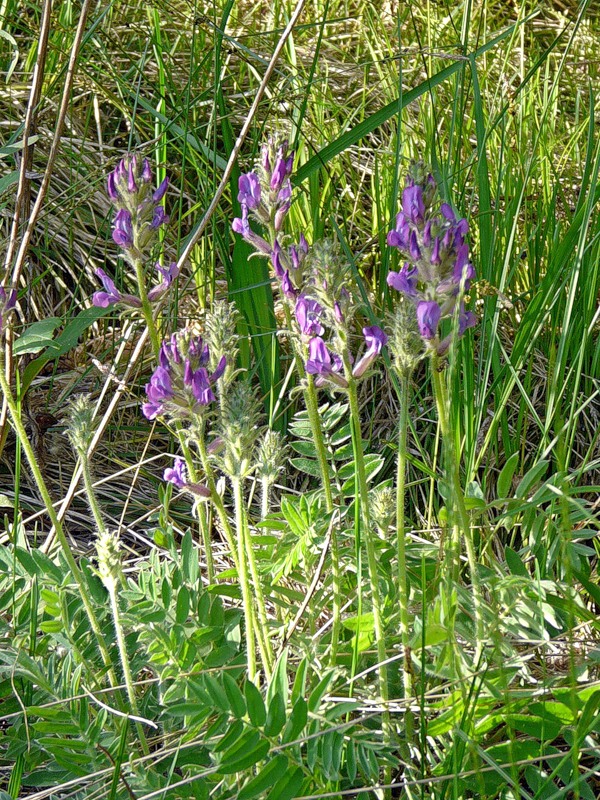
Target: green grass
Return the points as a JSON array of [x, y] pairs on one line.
[[501, 101]]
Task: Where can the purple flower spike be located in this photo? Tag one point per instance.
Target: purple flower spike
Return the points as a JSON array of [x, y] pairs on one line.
[[176, 474], [123, 230], [308, 314], [249, 190], [413, 204], [428, 318], [404, 281], [321, 363], [375, 340], [160, 191]]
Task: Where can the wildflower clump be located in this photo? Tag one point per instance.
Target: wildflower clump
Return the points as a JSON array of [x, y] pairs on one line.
[[436, 270]]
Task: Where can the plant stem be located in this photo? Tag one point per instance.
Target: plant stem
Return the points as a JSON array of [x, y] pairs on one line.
[[401, 548], [244, 581], [460, 521], [363, 501], [60, 533], [114, 605], [203, 522], [217, 502], [243, 532], [90, 493], [136, 262]]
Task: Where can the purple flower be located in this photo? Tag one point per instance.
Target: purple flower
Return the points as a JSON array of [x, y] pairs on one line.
[[413, 204], [201, 388], [428, 318], [168, 276], [323, 363], [404, 281], [242, 226], [111, 294], [111, 187], [308, 314], [159, 391], [249, 190], [146, 171], [287, 287], [159, 218], [123, 229], [375, 339], [399, 236], [131, 169], [160, 191], [283, 168], [177, 474], [466, 319], [413, 246]]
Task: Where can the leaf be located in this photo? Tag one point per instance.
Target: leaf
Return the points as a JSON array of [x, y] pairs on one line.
[[265, 778], [505, 477], [189, 559], [182, 607], [234, 695], [275, 716], [288, 786], [297, 720], [307, 466], [255, 704], [515, 565], [247, 752], [316, 695], [531, 478], [36, 336], [279, 680]]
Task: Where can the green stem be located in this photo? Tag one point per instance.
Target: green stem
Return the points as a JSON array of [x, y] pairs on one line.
[[460, 521], [57, 524], [217, 502], [203, 520], [401, 548], [245, 581], [363, 501], [136, 262], [262, 629], [90, 492], [114, 605]]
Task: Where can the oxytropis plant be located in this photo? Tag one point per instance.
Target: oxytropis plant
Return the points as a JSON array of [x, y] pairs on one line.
[[432, 282]]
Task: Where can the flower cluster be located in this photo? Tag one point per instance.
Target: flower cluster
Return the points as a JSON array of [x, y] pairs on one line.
[[139, 215], [265, 196], [181, 385], [436, 271]]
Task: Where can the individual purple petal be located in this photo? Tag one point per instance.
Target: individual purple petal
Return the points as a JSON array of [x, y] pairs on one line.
[[220, 369], [428, 318], [404, 281], [111, 187], [466, 319], [303, 244], [435, 253], [280, 215], [176, 474], [131, 184], [308, 315], [412, 204], [168, 276], [448, 212], [319, 359], [279, 174], [146, 171], [158, 390], [160, 192], [413, 246], [249, 190]]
